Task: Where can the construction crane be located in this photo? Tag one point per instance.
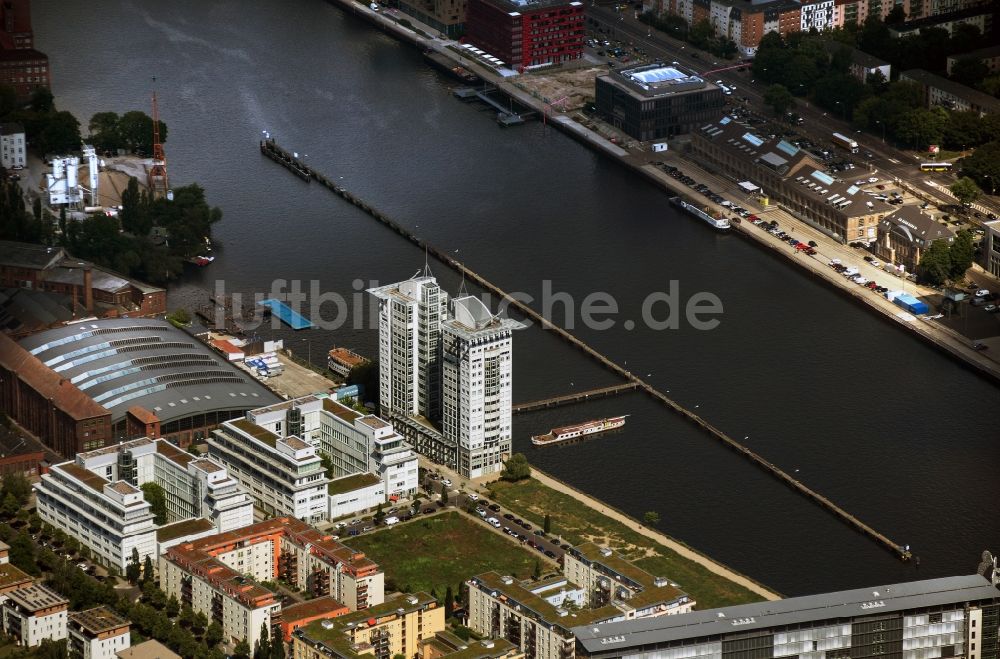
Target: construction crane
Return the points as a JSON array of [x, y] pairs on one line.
[[158, 182]]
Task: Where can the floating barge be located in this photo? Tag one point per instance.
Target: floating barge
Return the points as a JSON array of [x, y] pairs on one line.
[[717, 223], [286, 314], [578, 431]]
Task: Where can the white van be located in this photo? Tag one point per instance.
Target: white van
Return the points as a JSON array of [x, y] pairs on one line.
[[494, 522], [389, 521]]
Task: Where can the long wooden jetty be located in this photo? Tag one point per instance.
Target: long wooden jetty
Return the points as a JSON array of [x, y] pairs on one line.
[[576, 397], [271, 149]]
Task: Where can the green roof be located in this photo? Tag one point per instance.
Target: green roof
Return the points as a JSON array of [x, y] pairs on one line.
[[261, 434], [181, 529], [351, 483], [477, 650]]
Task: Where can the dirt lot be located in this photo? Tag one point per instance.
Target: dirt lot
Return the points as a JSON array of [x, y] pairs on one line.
[[575, 85]]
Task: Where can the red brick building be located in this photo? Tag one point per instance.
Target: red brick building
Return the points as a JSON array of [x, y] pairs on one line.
[[21, 66], [48, 406], [526, 33]]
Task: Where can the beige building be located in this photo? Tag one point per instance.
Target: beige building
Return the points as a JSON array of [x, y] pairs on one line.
[[395, 627], [598, 586], [219, 575], [97, 633], [905, 234], [791, 178], [941, 92]]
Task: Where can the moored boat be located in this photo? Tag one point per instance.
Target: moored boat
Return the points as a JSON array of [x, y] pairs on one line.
[[718, 223], [577, 431]]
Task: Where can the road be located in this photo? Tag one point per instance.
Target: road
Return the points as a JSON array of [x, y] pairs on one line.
[[818, 124]]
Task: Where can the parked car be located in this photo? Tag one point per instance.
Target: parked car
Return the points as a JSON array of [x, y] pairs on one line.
[[983, 292]]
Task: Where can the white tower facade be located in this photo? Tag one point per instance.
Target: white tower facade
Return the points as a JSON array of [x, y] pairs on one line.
[[410, 315], [478, 360]]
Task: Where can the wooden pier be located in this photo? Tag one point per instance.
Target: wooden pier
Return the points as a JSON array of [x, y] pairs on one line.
[[578, 397], [276, 153]]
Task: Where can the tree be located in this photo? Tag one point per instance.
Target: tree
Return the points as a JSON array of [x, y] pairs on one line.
[[132, 568], [262, 649], [135, 129], [449, 602], [134, 215], [8, 100], [961, 253], [935, 264], [536, 572], [779, 98], [921, 127], [147, 571], [983, 166], [516, 468], [42, 100], [213, 634], [444, 495], [60, 134], [701, 33], [242, 650], [22, 553], [9, 507], [547, 524], [103, 128], [277, 649], [965, 190], [651, 518], [895, 16], [379, 514], [157, 498], [969, 71], [173, 606]]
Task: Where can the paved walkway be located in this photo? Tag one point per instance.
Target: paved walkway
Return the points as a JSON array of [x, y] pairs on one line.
[[656, 536]]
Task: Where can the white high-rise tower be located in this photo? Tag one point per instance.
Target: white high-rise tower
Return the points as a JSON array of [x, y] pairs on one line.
[[477, 359]]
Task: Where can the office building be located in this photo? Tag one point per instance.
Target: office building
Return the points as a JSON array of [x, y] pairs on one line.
[[34, 613], [284, 475], [949, 617], [410, 315], [656, 101], [352, 494], [396, 627], [97, 633], [97, 499], [219, 575], [13, 154], [597, 586], [478, 366], [526, 34]]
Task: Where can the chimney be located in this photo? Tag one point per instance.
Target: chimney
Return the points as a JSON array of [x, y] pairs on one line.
[[88, 290]]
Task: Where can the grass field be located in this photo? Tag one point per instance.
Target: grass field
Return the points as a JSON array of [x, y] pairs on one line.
[[442, 550], [576, 523]]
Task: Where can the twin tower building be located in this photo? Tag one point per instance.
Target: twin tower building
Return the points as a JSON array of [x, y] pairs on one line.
[[445, 374]]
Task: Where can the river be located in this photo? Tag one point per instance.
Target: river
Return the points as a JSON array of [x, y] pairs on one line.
[[885, 426]]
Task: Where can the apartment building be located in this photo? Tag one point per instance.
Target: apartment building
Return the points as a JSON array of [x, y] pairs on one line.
[[34, 613], [991, 247], [948, 617], [597, 586], [97, 498], [355, 442], [397, 627], [942, 92], [97, 633], [13, 153], [448, 646], [478, 372], [219, 575], [990, 57], [790, 177], [284, 475], [12, 578]]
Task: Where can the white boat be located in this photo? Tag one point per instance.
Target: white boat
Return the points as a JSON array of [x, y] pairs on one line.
[[577, 431], [718, 223]]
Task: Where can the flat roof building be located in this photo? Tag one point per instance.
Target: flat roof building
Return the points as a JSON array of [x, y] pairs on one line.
[[33, 614], [526, 34], [948, 617], [657, 101], [97, 499], [97, 633], [151, 649], [396, 627], [220, 575]]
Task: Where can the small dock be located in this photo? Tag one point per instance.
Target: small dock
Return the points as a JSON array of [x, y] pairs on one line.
[[287, 315], [505, 116], [577, 397], [285, 159]]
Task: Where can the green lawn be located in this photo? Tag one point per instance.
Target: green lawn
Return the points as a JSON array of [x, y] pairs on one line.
[[576, 523], [442, 550]]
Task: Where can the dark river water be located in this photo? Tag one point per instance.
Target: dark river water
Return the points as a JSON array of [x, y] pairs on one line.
[[883, 425]]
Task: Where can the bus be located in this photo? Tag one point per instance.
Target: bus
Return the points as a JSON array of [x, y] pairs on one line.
[[935, 166]]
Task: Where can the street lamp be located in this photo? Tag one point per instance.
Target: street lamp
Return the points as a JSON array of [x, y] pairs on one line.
[[309, 346], [882, 125]]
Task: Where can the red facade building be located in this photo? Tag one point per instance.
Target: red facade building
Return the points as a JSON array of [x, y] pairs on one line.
[[526, 34], [21, 66]]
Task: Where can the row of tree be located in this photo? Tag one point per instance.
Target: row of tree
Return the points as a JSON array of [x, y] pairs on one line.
[[942, 262], [701, 35], [131, 132]]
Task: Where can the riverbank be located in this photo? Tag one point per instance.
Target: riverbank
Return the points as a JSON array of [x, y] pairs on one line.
[[636, 160]]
